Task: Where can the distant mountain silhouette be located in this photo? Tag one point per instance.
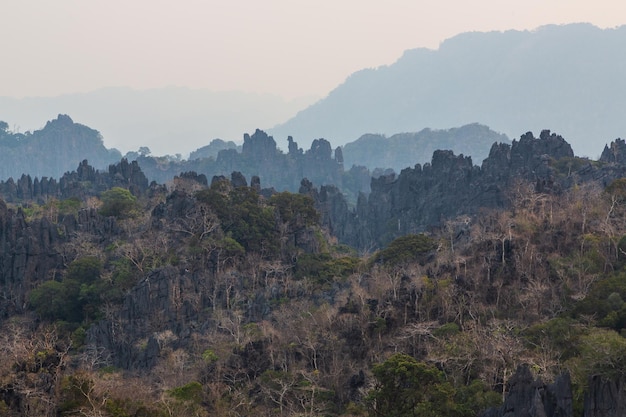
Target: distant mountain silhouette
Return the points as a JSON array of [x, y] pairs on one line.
[[50, 152], [567, 78], [212, 149], [404, 150], [167, 120], [62, 144]]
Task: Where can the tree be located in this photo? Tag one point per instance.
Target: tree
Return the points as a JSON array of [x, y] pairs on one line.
[[406, 249], [51, 301], [118, 202], [297, 210], [144, 151], [407, 387], [77, 296], [243, 216], [296, 213]]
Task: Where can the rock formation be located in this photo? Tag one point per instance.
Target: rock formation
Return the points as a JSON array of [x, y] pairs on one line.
[[425, 196], [530, 397], [85, 181]]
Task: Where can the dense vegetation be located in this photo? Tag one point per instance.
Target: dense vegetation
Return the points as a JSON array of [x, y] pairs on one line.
[[246, 306]]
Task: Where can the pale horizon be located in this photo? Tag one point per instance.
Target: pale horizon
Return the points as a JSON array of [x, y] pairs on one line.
[[286, 48]]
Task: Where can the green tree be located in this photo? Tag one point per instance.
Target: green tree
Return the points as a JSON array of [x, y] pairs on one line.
[[405, 249], [602, 352], [407, 387], [243, 217], [73, 299], [187, 400], [296, 210], [617, 190], [119, 202], [52, 301]]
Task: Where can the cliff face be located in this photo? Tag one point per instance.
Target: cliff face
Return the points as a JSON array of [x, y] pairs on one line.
[[162, 310], [615, 152], [36, 251], [29, 255], [605, 397], [530, 397]]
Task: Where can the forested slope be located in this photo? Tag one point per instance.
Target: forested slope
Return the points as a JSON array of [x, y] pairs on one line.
[[222, 298]]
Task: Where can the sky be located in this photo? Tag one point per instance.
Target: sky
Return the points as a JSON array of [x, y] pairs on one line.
[[291, 48]]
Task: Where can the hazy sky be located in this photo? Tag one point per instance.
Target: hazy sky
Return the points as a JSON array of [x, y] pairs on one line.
[[287, 47]]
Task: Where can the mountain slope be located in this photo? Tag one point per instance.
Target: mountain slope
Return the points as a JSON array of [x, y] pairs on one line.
[[568, 78]]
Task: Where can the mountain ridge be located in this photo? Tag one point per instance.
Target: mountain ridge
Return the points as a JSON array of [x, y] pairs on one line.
[[559, 77]]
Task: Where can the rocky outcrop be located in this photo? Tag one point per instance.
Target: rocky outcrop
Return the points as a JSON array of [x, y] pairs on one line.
[[259, 156], [35, 251], [82, 183], [530, 397], [605, 397], [425, 196], [160, 311], [615, 152], [28, 255]]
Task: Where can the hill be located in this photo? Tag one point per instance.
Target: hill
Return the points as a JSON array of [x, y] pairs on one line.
[[567, 78], [62, 144], [172, 120], [123, 298], [404, 150], [53, 150]]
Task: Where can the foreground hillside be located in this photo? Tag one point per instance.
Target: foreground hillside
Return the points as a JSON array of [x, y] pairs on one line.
[[223, 298]]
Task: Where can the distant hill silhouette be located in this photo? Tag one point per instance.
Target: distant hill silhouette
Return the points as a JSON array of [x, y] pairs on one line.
[[62, 144], [567, 78], [212, 149], [50, 152], [168, 120], [404, 150]]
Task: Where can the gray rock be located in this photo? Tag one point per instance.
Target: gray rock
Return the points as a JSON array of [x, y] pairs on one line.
[[530, 397]]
